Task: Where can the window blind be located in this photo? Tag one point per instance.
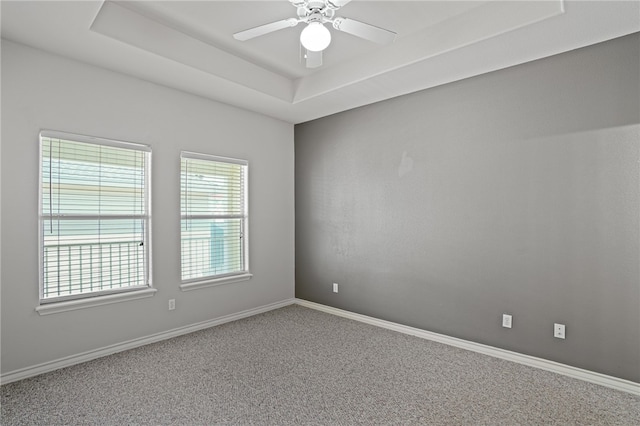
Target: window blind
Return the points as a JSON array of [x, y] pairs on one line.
[[94, 216], [213, 205]]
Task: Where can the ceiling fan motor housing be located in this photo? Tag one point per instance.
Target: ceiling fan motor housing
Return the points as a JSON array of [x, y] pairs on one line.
[[314, 11]]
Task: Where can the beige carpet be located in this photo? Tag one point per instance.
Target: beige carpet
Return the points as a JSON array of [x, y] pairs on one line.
[[300, 366]]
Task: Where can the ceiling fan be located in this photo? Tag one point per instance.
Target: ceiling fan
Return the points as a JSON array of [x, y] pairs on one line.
[[315, 37]]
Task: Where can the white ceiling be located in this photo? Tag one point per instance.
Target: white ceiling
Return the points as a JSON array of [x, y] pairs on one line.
[[188, 45]]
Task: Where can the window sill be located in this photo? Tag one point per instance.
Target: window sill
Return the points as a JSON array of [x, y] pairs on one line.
[[72, 305], [215, 282]]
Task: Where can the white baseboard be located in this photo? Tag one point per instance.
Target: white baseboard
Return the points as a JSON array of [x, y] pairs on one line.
[[531, 361], [131, 344], [566, 370]]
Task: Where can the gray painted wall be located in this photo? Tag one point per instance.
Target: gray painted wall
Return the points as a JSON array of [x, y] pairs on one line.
[[512, 192], [44, 91]]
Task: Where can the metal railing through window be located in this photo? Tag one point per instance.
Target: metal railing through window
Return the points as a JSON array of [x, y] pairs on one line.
[[72, 269]]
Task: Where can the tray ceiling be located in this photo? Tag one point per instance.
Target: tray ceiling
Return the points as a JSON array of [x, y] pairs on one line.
[[188, 45]]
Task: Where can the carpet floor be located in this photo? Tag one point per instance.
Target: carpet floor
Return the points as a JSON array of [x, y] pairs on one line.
[[300, 366]]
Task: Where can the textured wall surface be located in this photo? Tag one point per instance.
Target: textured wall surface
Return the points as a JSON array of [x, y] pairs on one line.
[[512, 192], [44, 91]]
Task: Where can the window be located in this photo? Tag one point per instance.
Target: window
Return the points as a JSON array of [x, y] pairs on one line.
[[94, 216], [213, 208]]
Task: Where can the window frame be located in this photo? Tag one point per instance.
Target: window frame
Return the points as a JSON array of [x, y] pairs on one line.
[[224, 278], [56, 304]]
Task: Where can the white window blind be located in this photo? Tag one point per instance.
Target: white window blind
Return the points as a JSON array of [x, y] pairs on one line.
[[213, 206], [94, 216]]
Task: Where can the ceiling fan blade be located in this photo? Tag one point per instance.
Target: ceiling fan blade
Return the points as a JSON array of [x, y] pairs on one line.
[[265, 29], [336, 4], [314, 59], [365, 31]]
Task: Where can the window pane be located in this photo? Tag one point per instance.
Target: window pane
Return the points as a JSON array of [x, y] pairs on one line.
[[212, 188], [71, 269], [211, 247], [80, 178]]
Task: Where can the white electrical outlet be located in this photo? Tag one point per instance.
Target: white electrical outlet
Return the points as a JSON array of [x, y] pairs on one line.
[[506, 320], [558, 331], [335, 287], [172, 304]]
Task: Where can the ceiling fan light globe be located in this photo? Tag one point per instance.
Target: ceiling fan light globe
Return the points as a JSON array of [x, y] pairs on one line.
[[315, 37]]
